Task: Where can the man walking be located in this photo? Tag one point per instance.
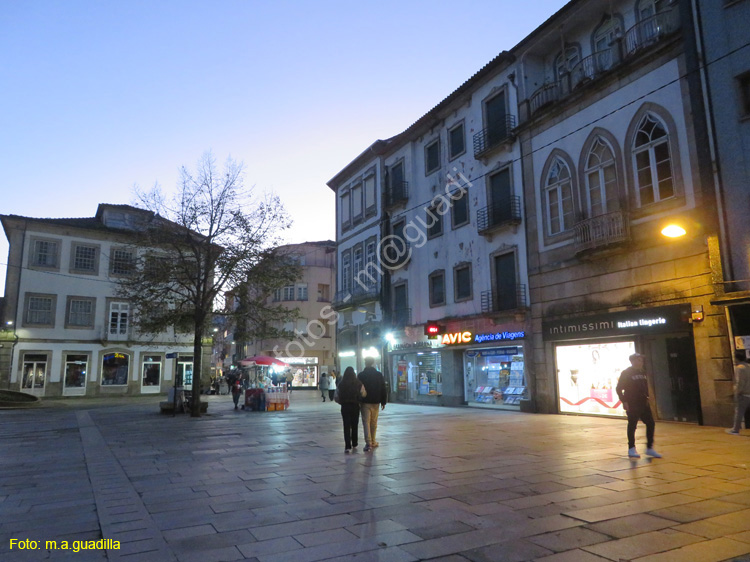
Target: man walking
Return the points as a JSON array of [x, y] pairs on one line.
[[632, 388], [376, 394], [741, 391]]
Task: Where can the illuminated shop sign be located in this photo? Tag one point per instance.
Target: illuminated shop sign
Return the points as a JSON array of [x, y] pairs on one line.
[[412, 345], [650, 320], [468, 337]]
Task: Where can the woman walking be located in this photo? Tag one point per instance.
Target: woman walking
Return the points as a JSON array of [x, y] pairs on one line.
[[323, 385], [331, 385], [349, 391]]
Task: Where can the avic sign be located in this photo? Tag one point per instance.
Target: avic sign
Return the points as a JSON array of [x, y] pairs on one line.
[[456, 337]]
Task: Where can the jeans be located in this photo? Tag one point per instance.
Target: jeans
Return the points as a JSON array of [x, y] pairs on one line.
[[350, 415], [644, 414], [742, 403], [370, 421]]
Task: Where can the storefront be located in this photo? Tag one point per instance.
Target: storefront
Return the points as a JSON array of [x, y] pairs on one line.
[[305, 371], [417, 372], [590, 352]]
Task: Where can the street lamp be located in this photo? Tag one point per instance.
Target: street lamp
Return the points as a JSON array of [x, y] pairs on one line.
[[673, 231]]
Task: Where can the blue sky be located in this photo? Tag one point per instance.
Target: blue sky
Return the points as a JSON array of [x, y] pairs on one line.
[[101, 96]]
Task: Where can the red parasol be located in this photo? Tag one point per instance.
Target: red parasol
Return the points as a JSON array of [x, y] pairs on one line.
[[264, 360]]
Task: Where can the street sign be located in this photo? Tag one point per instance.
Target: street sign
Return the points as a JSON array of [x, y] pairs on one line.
[[172, 355]]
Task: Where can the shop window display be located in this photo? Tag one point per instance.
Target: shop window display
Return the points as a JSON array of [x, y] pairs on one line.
[[495, 377], [587, 376], [418, 374], [75, 371], [115, 369]]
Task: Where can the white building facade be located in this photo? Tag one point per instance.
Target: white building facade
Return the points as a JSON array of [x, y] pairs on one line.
[[70, 335]]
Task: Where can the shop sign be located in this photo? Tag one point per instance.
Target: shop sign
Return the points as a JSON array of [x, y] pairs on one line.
[[499, 336], [456, 337], [468, 337], [643, 321], [412, 345], [300, 360]]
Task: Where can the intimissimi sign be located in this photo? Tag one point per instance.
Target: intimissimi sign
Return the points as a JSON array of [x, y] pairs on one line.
[[643, 321]]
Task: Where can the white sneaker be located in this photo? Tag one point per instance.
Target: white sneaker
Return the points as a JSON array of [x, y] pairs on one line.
[[651, 453], [732, 432], [632, 453]]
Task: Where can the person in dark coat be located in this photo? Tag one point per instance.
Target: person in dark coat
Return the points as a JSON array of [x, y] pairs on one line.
[[377, 393], [348, 394], [236, 393], [323, 385], [632, 388]]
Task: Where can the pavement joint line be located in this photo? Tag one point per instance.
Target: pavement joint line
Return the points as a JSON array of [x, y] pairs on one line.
[[105, 472]]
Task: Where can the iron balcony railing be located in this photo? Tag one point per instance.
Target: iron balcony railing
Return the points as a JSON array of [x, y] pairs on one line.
[[398, 192], [491, 137], [546, 95], [651, 30], [358, 294], [591, 67], [497, 301], [600, 231], [506, 211], [401, 317]]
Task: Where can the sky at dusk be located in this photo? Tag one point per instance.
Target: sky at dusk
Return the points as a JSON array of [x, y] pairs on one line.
[[99, 97]]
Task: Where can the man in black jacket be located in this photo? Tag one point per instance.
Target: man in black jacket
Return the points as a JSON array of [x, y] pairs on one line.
[[632, 388], [376, 394]]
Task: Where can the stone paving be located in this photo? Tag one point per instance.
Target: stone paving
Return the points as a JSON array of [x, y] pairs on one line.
[[446, 484]]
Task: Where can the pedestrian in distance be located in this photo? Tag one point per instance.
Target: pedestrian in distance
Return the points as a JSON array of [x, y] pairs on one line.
[[377, 393], [236, 392], [289, 381], [632, 388], [741, 391], [323, 385], [331, 386], [348, 394]]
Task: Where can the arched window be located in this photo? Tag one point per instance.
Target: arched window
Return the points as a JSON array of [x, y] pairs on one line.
[[601, 179], [564, 62], [558, 196], [652, 160]]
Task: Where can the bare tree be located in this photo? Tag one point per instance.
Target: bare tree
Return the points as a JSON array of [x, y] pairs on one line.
[[211, 236]]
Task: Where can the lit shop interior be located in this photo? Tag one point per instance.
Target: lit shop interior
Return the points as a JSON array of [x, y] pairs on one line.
[[418, 375], [587, 375], [495, 377]]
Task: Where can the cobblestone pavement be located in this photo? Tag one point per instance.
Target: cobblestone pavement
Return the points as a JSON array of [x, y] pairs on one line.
[[447, 484]]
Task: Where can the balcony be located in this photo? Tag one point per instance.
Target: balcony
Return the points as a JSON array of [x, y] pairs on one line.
[[395, 252], [591, 67], [495, 301], [490, 138], [398, 192], [651, 30], [507, 211], [401, 317], [358, 294], [602, 231], [546, 95]]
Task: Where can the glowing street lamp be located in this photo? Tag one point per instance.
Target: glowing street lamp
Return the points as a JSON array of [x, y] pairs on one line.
[[673, 231]]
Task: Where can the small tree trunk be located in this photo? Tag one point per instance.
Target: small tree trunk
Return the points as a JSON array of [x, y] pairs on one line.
[[195, 403]]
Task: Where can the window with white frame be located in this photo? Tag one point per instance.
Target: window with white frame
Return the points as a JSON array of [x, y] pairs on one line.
[[601, 179], [85, 258], [358, 260], [346, 271], [648, 8], [121, 261], [276, 295], [302, 292], [652, 161], [370, 265], [289, 293], [40, 310], [606, 34], [558, 196], [119, 315], [151, 370], [44, 253], [76, 368], [80, 312]]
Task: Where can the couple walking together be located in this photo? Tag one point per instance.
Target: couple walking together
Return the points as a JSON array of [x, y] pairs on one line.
[[361, 393]]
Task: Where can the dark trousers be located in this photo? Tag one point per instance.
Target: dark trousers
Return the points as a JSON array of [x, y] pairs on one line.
[[236, 398], [331, 393], [644, 414], [350, 415]]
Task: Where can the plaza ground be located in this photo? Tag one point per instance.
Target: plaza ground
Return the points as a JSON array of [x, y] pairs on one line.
[[446, 484]]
